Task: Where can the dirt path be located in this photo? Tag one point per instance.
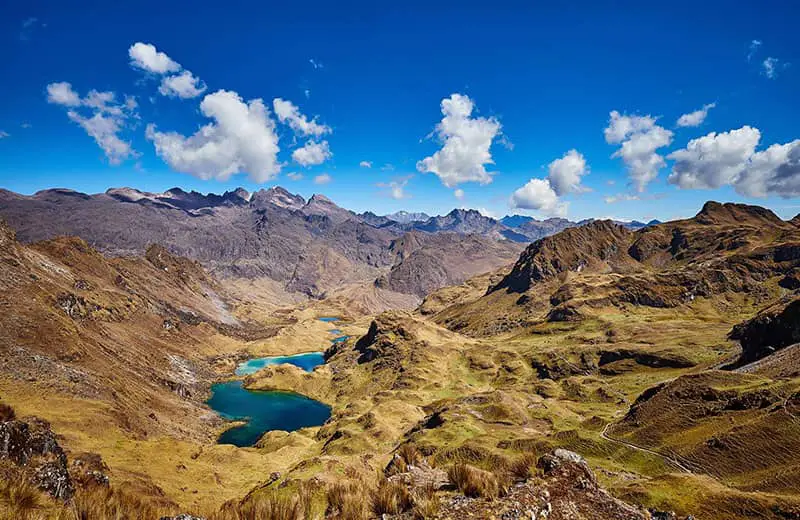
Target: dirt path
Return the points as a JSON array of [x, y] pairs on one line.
[[674, 462]]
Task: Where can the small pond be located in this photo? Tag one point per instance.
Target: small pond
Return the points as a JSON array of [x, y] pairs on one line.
[[306, 361], [263, 411], [329, 319]]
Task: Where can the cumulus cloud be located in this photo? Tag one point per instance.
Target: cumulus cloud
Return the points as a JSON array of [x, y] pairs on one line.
[[695, 118], [396, 188], [459, 194], [539, 195], [61, 93], [177, 82], [730, 158], [714, 160], [323, 178], [312, 153], [639, 137], [770, 65], [4, 134], [145, 56], [365, 164], [564, 177], [565, 173], [289, 113], [295, 176], [183, 85], [466, 143], [100, 116], [241, 138]]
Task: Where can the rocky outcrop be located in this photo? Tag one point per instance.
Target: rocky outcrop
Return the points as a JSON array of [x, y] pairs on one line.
[[772, 329], [31, 444]]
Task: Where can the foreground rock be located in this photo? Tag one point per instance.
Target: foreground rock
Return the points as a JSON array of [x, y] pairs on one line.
[[31, 446]]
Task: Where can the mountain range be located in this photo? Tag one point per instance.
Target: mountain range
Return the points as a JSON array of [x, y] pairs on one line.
[[312, 247]]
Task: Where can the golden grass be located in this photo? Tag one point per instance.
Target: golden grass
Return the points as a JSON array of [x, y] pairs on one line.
[[474, 482]]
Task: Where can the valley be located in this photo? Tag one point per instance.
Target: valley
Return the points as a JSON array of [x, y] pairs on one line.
[[450, 367]]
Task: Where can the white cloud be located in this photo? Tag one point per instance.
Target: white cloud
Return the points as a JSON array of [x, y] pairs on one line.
[[104, 128], [714, 160], [295, 176], [183, 85], [145, 56], [26, 125], [565, 173], [774, 171], [314, 63], [396, 188], [466, 143], [61, 93], [459, 194], [621, 197], [538, 195], [365, 164], [695, 118], [639, 137], [4, 134], [770, 65], [241, 138], [288, 113], [312, 153], [107, 119], [323, 179], [729, 158], [754, 45]]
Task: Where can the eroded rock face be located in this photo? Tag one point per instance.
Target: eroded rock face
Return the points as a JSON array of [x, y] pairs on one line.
[[772, 329], [32, 444]]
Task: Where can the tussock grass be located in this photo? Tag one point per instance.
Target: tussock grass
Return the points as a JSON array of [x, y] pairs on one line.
[[426, 503], [6, 413], [474, 482], [523, 467], [390, 498], [19, 498]]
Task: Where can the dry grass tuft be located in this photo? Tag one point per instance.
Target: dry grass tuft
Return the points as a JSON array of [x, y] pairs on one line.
[[347, 501], [6, 413], [390, 498], [109, 503], [426, 503], [409, 453], [19, 497], [474, 482], [523, 468]]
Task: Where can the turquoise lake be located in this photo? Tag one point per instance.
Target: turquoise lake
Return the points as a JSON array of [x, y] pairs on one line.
[[305, 361], [263, 411], [268, 410]]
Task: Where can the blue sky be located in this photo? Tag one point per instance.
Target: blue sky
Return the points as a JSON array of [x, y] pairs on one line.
[[540, 80]]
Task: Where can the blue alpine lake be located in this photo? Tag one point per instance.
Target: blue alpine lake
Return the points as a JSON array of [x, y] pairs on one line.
[[305, 361], [263, 411], [329, 319]]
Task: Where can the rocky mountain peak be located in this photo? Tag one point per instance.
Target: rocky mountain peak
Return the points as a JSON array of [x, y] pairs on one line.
[[574, 249], [277, 196], [733, 213]]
